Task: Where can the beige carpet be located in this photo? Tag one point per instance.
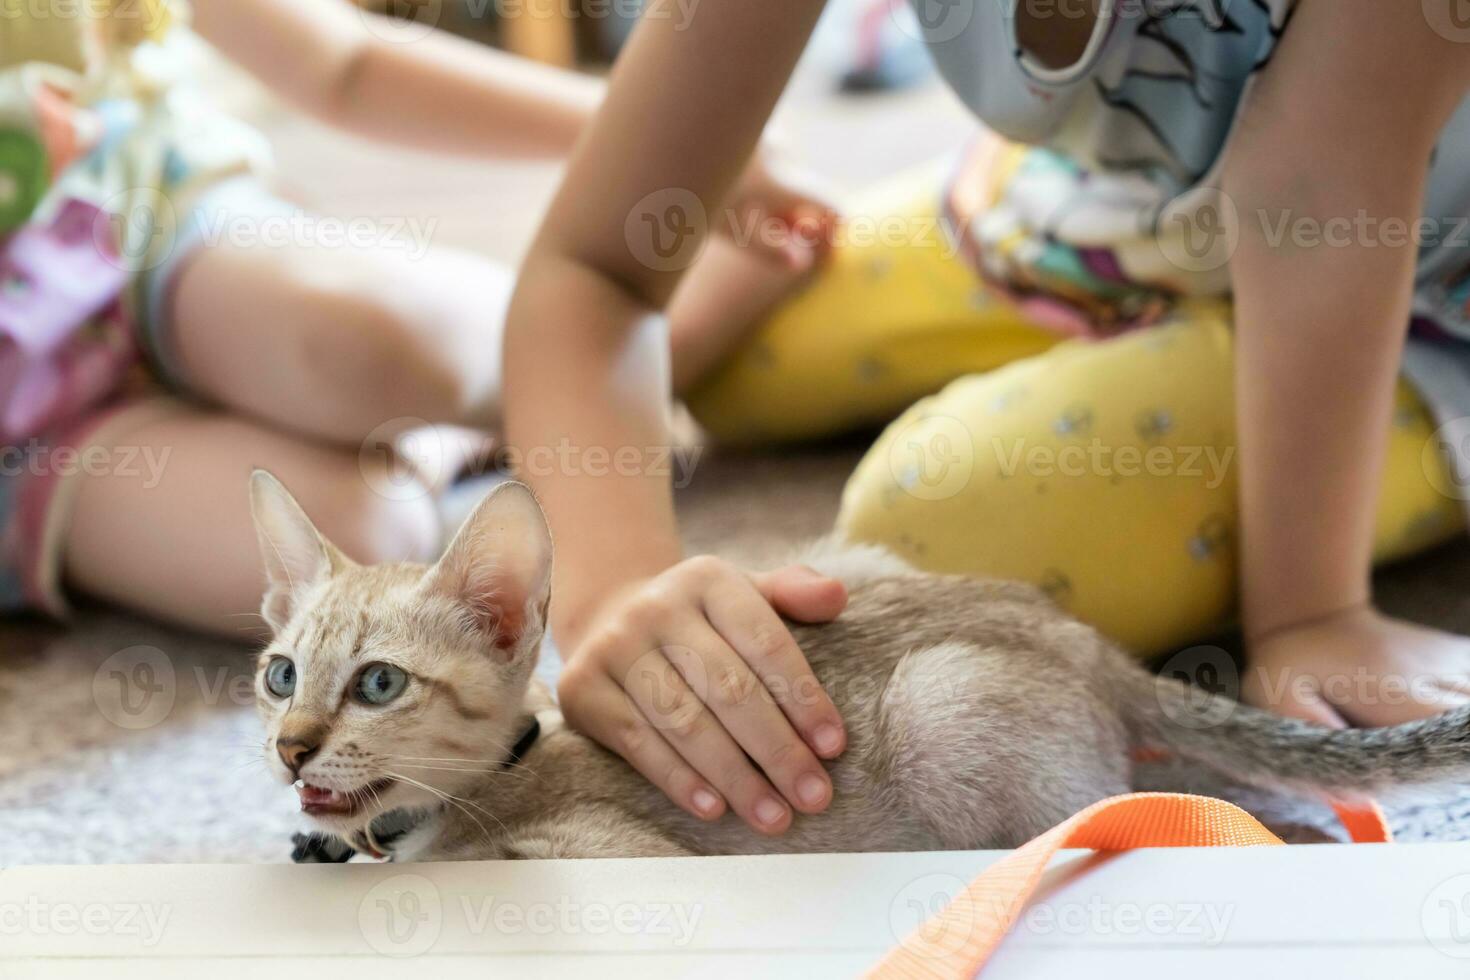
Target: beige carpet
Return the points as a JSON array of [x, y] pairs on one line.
[[121, 741]]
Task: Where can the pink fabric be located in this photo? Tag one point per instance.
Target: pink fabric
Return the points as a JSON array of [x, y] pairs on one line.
[[64, 341]]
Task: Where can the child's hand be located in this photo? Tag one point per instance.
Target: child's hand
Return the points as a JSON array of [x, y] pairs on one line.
[[1359, 668], [693, 679], [769, 192]]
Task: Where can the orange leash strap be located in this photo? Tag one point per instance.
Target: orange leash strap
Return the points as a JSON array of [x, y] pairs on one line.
[[956, 943], [1365, 824]]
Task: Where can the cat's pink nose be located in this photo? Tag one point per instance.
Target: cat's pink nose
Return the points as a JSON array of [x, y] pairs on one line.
[[294, 751]]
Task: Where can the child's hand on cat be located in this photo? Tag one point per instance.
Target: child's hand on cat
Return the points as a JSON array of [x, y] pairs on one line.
[[693, 679], [1358, 667]]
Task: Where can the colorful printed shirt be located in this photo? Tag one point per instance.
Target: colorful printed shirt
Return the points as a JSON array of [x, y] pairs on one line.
[[1107, 206]]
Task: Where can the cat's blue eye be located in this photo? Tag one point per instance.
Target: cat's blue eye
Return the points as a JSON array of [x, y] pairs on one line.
[[280, 677], [381, 683]]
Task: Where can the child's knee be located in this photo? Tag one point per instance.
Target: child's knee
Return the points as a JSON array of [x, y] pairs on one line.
[[1102, 494], [880, 325], [377, 341], [374, 359]]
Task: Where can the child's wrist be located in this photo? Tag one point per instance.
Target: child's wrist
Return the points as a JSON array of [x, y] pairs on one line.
[[580, 602], [1276, 600], [1264, 631]]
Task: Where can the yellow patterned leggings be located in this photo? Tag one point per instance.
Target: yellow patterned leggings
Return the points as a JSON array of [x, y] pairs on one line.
[[1104, 472]]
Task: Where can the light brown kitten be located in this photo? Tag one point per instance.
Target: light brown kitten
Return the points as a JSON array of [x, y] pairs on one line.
[[978, 715]]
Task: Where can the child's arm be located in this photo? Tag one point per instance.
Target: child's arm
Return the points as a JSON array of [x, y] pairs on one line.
[[1343, 123], [434, 91], [682, 667]]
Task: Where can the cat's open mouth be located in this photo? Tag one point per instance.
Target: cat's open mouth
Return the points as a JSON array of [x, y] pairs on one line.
[[338, 802]]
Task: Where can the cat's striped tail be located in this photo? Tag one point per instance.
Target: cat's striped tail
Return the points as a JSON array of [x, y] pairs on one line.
[[1261, 749]]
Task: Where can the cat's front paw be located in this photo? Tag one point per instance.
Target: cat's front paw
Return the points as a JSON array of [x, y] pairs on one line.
[[319, 849]]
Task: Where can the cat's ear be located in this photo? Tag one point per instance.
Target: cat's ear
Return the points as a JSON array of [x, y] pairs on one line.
[[499, 568], [295, 553]]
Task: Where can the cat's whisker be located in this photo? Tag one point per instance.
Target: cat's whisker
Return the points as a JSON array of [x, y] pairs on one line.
[[522, 771], [487, 770], [377, 797], [254, 747], [414, 765], [459, 800], [472, 766], [456, 801], [472, 772]]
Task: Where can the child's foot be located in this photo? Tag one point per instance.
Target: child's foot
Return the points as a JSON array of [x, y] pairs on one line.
[[729, 294], [772, 237], [439, 455], [1359, 668]]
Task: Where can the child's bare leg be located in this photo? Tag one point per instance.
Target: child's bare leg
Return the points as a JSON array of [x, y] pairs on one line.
[[176, 542], [333, 343]]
